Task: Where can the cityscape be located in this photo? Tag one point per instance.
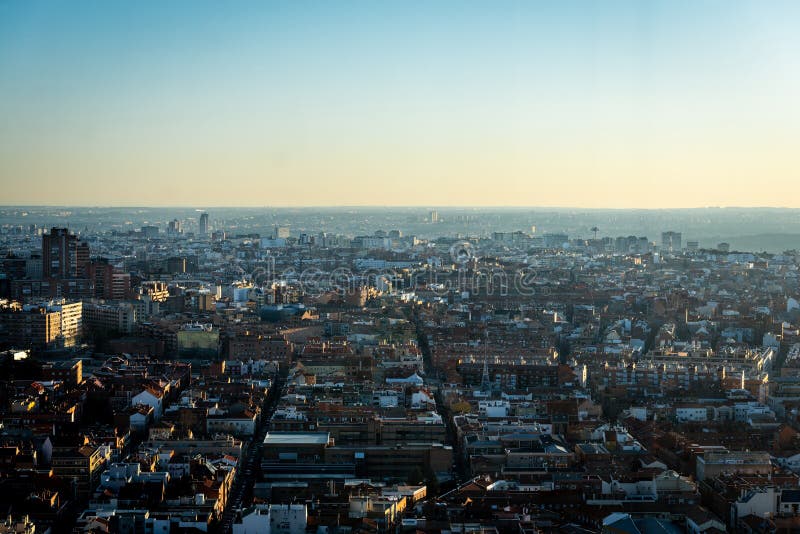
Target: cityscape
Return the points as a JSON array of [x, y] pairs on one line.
[[349, 267], [199, 374]]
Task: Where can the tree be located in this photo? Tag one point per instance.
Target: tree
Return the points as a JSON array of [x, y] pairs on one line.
[[461, 407]]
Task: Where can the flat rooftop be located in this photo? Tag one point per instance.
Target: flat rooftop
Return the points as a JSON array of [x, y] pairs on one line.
[[296, 438]]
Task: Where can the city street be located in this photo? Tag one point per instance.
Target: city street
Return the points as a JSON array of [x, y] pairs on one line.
[[242, 491]]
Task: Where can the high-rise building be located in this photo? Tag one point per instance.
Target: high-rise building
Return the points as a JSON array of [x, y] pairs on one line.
[[107, 282], [671, 241], [204, 224], [33, 266], [281, 232], [433, 216], [60, 271], [176, 265], [64, 255], [174, 227]]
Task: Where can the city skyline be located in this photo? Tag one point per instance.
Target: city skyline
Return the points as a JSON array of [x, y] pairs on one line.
[[359, 267], [621, 105]]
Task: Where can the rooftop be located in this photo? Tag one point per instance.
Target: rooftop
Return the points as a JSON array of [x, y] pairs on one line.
[[296, 438]]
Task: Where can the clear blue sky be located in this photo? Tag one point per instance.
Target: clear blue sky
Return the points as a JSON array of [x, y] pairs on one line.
[[595, 104]]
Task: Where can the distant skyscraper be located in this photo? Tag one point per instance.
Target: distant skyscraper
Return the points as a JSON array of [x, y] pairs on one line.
[[204, 224], [281, 232], [174, 227], [671, 241], [433, 216]]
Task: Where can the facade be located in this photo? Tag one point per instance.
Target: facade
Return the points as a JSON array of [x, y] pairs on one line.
[[272, 519], [81, 464], [687, 414], [715, 463], [111, 317], [671, 241], [107, 282], [47, 326], [203, 225], [71, 315], [152, 398], [236, 425], [63, 255], [69, 371]]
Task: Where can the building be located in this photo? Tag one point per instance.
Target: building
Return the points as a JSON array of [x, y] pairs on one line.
[[205, 302], [19, 525], [508, 375], [392, 462], [174, 227], [71, 315], [153, 398], [671, 241], [714, 463], [80, 464], [154, 291], [33, 266], [68, 371], [109, 317], [64, 269], [56, 324], [691, 413], [63, 255], [372, 242], [176, 265], [272, 519], [204, 224], [107, 282], [296, 446], [242, 424], [36, 329], [251, 346]]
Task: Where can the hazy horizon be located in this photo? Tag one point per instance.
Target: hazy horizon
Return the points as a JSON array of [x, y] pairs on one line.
[[201, 207]]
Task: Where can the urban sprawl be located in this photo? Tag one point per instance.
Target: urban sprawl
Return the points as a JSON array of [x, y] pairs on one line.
[[187, 377]]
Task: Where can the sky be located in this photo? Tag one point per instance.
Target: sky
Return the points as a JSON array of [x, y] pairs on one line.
[[592, 104]]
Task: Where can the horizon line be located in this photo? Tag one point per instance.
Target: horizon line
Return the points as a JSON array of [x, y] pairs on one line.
[[395, 206]]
